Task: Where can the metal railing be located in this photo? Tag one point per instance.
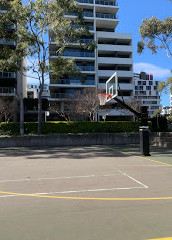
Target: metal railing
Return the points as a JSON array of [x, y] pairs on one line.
[[85, 1], [82, 40], [62, 95], [6, 42], [87, 68], [4, 91], [72, 82], [7, 75], [72, 54], [109, 3], [85, 14], [106, 15]]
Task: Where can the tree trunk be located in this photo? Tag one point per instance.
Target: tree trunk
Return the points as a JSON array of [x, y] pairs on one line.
[[21, 114], [39, 112]]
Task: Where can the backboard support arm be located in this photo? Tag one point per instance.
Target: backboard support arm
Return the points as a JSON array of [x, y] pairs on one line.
[[144, 129]]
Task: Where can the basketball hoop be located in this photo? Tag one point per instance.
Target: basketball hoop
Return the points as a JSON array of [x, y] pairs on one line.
[[103, 97]]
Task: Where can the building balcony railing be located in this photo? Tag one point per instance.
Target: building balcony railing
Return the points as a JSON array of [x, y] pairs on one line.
[[72, 82], [82, 40], [87, 68], [72, 54], [100, 2], [4, 91], [106, 15], [85, 14], [89, 26], [62, 95], [85, 1], [7, 75], [9, 43], [107, 3]]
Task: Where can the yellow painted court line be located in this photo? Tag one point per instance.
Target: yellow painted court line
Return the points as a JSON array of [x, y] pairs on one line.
[[85, 198], [169, 238], [145, 158], [142, 165]]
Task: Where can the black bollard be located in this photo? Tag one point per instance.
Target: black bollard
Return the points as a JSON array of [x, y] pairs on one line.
[[144, 133]]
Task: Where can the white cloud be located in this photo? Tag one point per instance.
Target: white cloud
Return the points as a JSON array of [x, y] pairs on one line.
[[158, 72]]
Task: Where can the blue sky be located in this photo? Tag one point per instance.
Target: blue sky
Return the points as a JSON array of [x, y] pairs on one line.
[[131, 13]]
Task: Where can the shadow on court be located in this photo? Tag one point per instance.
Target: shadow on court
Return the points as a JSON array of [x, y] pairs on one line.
[[63, 152]]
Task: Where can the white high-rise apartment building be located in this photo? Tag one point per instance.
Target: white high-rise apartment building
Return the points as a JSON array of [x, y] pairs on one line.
[[171, 99], [146, 92], [10, 82], [113, 54]]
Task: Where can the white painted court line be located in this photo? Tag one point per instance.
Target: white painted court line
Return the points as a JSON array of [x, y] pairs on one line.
[[143, 185], [70, 177]]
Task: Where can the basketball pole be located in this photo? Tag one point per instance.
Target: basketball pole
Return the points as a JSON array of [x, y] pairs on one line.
[[143, 130], [111, 90]]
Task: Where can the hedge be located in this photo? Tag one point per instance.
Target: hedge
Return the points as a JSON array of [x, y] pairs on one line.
[[70, 127]]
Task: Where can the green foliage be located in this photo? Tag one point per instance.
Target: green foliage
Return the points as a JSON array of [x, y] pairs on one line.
[[156, 34], [10, 128], [71, 127], [170, 119], [156, 113], [159, 124], [165, 86]]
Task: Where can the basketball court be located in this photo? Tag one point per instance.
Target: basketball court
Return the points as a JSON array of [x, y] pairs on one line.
[[96, 192]]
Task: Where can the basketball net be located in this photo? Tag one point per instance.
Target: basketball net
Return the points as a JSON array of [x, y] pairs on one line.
[[103, 98]]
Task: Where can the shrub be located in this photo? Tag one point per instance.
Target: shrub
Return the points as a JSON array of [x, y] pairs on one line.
[[71, 127], [10, 128]]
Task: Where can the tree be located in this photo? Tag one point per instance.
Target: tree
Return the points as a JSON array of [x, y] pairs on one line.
[[83, 107], [66, 111], [34, 19], [87, 103], [156, 34], [7, 109], [157, 113]]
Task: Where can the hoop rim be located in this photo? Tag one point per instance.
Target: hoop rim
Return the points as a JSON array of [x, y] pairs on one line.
[[103, 97]]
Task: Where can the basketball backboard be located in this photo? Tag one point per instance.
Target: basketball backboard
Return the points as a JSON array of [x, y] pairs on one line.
[[112, 87]]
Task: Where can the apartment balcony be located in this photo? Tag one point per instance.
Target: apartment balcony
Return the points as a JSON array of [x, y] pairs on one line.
[[120, 73], [106, 3], [86, 1], [7, 43], [87, 68], [106, 15], [73, 54], [114, 35], [113, 47], [71, 83], [99, 2], [76, 42], [115, 60], [5, 75], [3, 10], [60, 96], [4, 91], [87, 14]]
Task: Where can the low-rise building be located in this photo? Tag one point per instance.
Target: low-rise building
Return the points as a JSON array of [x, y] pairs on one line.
[[146, 91], [33, 90]]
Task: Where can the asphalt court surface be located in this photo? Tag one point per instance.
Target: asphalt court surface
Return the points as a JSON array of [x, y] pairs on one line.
[[88, 193]]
